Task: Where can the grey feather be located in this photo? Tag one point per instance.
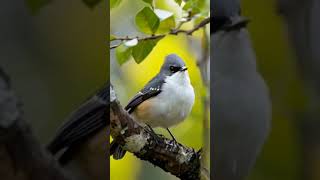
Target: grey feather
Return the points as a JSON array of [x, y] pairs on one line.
[[83, 123], [241, 105], [152, 88]]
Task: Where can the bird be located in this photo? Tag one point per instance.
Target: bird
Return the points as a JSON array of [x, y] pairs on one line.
[[166, 100], [241, 105], [82, 137], [222, 12]]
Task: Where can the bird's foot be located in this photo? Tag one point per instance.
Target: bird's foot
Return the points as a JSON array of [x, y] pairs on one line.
[[174, 139], [154, 135]]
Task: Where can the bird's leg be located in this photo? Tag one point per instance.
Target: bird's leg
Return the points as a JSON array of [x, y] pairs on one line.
[[153, 134], [171, 135]]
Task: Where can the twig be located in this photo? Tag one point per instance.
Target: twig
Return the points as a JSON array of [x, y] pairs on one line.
[[172, 32], [179, 160], [114, 46], [153, 37], [200, 25]]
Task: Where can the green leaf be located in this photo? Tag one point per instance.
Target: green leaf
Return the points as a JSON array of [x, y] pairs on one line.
[[112, 37], [36, 5], [143, 49], [178, 2], [196, 6], [123, 53], [193, 6], [147, 21], [91, 3], [149, 2], [167, 21], [114, 3], [198, 19]]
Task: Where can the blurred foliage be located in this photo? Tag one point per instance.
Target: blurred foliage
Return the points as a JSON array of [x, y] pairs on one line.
[[91, 3], [70, 64], [114, 3], [280, 158], [128, 77], [36, 5]]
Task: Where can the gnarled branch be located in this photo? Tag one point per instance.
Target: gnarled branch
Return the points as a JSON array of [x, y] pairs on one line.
[[170, 156]]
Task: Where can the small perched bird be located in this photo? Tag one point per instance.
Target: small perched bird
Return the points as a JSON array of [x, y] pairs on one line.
[[165, 100], [82, 138]]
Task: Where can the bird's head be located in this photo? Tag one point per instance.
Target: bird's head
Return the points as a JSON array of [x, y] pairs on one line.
[[173, 64]]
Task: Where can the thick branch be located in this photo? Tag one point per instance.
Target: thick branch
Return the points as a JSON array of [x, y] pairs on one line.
[[21, 156], [172, 157], [172, 32]]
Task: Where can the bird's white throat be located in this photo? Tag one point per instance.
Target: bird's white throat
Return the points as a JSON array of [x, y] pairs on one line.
[[175, 101], [180, 78]]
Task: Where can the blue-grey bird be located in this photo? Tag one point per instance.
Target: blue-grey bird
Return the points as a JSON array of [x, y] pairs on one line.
[[241, 111], [165, 101]]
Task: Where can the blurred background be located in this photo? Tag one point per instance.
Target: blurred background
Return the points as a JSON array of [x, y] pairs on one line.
[[292, 149], [129, 78], [56, 58]]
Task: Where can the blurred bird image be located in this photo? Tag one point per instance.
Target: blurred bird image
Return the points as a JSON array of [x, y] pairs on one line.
[[165, 101], [241, 101], [241, 105], [82, 139], [222, 11]]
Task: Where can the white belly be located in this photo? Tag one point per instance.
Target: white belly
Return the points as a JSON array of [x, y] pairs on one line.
[[173, 104]]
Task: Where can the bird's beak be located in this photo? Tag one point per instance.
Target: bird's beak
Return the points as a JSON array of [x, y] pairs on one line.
[[183, 68]]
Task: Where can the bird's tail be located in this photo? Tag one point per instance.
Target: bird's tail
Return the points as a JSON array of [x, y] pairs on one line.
[[116, 150]]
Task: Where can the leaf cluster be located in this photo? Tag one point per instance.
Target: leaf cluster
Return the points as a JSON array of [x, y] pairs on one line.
[[155, 24], [36, 5]]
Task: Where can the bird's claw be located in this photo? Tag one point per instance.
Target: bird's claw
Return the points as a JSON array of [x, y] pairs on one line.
[[154, 135]]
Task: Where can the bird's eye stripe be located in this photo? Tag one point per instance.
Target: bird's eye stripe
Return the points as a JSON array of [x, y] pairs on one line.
[[174, 68]]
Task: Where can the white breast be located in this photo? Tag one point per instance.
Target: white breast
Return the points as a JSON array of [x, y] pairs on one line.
[[174, 103]]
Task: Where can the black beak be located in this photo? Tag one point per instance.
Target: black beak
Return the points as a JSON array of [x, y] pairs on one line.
[[183, 68]]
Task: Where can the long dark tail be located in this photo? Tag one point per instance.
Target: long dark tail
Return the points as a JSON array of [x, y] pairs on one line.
[[116, 150]]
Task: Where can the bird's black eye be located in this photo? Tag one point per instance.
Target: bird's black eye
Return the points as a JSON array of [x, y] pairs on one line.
[[174, 69]]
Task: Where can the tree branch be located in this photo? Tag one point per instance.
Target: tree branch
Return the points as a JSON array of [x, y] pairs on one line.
[[153, 37], [172, 157], [172, 32], [21, 156]]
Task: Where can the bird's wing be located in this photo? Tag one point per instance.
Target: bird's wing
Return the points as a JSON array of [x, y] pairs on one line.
[[152, 89], [83, 123]]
